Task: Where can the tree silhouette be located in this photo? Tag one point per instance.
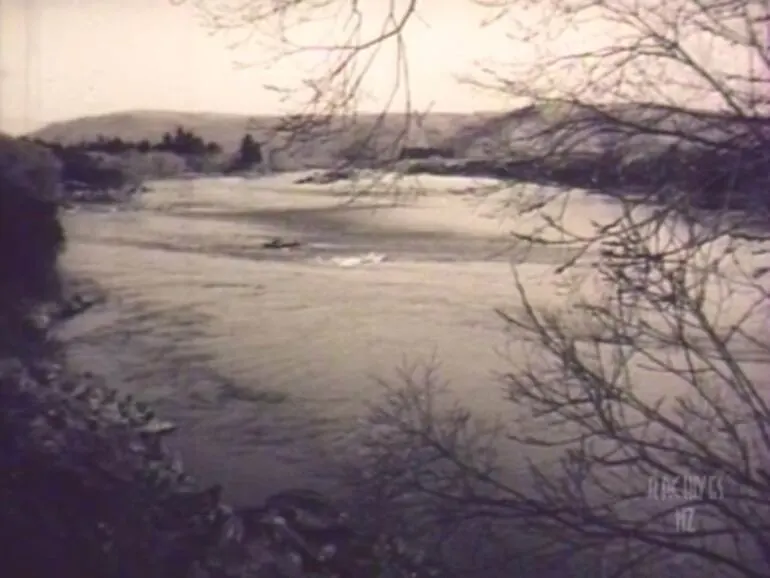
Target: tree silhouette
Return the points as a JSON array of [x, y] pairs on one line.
[[166, 143], [249, 154], [666, 291], [213, 148]]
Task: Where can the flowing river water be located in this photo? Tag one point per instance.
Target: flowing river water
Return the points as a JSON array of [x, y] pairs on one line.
[[263, 356]]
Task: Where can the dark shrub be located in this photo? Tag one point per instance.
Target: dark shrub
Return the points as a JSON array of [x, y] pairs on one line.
[[100, 174], [85, 486], [31, 236]]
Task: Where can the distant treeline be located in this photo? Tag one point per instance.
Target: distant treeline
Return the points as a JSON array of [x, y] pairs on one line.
[[107, 169], [182, 142]]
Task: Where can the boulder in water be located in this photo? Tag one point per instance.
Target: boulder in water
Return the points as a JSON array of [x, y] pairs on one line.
[[326, 177], [278, 243]]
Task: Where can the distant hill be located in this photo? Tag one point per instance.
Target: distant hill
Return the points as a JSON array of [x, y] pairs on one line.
[[527, 130], [228, 129], [636, 129]]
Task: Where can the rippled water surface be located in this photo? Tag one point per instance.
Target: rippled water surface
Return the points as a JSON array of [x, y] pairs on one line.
[[264, 356], [255, 352]]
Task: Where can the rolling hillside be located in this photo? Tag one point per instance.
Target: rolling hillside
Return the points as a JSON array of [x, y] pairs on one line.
[[312, 147], [137, 125], [634, 129], [529, 130]]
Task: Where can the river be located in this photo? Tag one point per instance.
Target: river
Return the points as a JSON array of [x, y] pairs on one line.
[[262, 356], [265, 357]]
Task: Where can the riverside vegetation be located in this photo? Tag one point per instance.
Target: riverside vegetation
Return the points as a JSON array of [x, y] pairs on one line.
[[87, 486], [86, 482], [110, 169]]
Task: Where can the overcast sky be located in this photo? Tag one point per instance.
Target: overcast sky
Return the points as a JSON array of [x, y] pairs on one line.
[[66, 58]]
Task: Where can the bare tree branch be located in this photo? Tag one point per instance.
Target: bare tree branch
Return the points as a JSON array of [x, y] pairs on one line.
[[662, 108]]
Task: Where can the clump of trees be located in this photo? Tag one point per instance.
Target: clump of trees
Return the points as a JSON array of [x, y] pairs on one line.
[[31, 236], [248, 156], [107, 169], [180, 141], [185, 143], [86, 487]]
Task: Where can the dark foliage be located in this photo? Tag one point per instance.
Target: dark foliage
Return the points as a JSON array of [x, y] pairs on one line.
[[110, 169], [85, 486], [81, 170], [425, 153], [182, 142], [87, 489], [711, 178], [213, 148], [31, 236], [249, 154]]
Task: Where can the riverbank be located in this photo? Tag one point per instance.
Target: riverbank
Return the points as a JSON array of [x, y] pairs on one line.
[[267, 358]]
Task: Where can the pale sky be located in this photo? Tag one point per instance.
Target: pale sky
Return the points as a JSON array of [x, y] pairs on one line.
[[66, 58]]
